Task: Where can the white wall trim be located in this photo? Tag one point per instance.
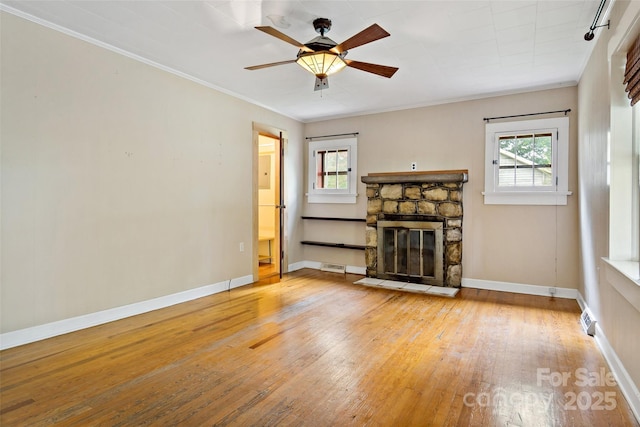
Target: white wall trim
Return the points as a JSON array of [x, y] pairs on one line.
[[490, 285], [520, 288], [296, 266], [581, 302], [60, 327], [626, 384], [356, 270]]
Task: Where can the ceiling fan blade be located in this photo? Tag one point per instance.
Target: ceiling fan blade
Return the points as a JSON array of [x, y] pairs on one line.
[[381, 70], [368, 35], [277, 34], [272, 64]]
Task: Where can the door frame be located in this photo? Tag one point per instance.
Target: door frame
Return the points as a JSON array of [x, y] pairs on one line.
[[273, 132]]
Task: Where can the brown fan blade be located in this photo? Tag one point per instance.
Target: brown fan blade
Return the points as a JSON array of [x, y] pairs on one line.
[[368, 35], [277, 34], [272, 64], [381, 70]]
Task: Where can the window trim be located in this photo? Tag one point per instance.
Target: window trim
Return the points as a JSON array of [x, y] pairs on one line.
[[622, 178], [494, 195], [623, 252], [325, 195]]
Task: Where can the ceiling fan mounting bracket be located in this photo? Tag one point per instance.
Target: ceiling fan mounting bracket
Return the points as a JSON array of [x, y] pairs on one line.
[[322, 25]]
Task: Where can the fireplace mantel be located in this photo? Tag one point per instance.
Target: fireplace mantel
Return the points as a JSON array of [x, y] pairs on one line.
[[418, 177]]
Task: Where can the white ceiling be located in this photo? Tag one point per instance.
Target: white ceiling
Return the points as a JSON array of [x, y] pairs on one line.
[[446, 50]]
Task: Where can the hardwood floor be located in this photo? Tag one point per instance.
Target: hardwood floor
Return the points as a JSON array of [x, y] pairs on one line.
[[268, 271], [316, 350]]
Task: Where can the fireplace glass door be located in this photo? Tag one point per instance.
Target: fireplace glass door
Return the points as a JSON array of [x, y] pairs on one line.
[[410, 250]]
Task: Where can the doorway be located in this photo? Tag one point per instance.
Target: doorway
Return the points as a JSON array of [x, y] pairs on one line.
[[269, 242]]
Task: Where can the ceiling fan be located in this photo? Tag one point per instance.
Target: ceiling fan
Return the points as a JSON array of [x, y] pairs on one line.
[[323, 57]]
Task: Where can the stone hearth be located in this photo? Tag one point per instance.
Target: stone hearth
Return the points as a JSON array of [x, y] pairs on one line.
[[430, 197]]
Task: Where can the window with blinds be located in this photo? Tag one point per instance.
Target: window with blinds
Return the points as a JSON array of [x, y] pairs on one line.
[[623, 174], [632, 72]]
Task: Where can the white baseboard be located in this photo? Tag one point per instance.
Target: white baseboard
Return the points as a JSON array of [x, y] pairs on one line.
[[48, 330], [312, 264], [356, 270], [626, 384], [520, 288], [581, 302], [296, 266]]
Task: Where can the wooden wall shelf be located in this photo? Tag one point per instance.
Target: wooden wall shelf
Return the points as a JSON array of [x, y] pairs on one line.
[[333, 245], [326, 218]]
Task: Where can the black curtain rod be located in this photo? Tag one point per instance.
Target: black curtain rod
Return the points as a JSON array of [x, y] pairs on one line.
[[590, 35], [486, 119], [331, 136]]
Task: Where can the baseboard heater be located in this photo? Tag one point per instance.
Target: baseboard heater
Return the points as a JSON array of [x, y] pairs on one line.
[[588, 322], [333, 268]]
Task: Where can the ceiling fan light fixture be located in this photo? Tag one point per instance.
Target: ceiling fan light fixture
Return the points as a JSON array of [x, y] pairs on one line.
[[321, 64], [323, 57]]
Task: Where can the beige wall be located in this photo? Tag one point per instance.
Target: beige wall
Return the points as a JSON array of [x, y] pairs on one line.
[[616, 316], [517, 244], [120, 182]]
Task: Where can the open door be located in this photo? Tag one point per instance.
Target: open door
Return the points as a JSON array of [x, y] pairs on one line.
[[270, 206], [281, 207]]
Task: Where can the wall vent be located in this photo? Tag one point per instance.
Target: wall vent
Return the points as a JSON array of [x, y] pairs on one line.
[[588, 322], [334, 268]]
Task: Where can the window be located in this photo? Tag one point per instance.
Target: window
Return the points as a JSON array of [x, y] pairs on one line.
[[624, 190], [527, 162], [634, 184], [624, 171], [332, 171]]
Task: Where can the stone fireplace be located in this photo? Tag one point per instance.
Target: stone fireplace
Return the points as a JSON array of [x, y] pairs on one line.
[[414, 226]]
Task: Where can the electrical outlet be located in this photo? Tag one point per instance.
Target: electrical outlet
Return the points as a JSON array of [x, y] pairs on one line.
[[414, 166], [241, 246]]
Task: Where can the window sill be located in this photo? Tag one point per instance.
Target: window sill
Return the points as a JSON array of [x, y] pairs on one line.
[[331, 198], [630, 269], [526, 197], [624, 277]]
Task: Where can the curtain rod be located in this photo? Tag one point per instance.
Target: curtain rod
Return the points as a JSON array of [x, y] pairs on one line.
[[330, 136], [590, 34], [486, 119]]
